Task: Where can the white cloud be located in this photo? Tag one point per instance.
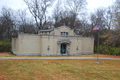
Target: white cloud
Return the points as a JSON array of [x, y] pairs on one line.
[[94, 4], [19, 4], [14, 4]]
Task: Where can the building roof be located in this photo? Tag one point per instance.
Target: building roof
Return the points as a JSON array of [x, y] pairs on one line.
[[46, 30]]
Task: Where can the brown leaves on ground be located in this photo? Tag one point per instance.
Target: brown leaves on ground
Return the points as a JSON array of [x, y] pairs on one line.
[[41, 77], [111, 56], [60, 69]]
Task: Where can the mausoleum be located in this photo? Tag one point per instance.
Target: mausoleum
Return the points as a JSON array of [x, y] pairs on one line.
[[57, 41]]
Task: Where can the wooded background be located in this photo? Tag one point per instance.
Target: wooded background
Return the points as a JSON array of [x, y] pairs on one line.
[[72, 13]]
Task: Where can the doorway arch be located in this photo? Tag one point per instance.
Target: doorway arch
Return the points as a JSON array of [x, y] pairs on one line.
[[64, 45], [63, 48]]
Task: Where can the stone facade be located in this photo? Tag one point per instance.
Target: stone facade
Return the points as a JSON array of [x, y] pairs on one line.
[[57, 41]]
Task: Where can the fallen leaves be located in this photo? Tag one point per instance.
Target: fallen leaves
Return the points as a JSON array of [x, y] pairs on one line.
[[58, 69], [41, 77]]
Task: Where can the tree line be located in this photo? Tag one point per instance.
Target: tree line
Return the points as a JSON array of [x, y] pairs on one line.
[[72, 13]]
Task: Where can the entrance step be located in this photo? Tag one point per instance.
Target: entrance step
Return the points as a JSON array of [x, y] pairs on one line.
[[64, 54]]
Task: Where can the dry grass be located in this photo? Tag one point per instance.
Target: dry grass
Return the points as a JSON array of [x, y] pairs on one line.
[[8, 54], [59, 70]]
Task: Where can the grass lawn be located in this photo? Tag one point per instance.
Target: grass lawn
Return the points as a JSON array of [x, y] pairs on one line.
[[8, 54], [13, 69]]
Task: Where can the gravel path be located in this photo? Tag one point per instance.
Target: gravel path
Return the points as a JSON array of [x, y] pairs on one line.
[[59, 58]]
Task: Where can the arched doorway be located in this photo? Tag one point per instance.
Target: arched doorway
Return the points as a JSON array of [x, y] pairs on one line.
[[64, 46], [63, 49]]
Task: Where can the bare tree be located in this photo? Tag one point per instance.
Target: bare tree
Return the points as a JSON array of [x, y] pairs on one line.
[[83, 27], [7, 23], [117, 14], [38, 9], [108, 17], [57, 13], [98, 18], [75, 7], [25, 24], [22, 20]]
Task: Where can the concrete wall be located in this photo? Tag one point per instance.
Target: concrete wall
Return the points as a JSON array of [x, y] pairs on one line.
[[29, 44], [15, 45], [48, 42], [85, 45], [36, 44], [88, 45], [57, 31], [76, 42]]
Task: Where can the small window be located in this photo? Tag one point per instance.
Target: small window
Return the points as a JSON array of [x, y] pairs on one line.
[[66, 33], [61, 33]]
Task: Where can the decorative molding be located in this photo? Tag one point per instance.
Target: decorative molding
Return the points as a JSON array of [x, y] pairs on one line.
[[67, 41], [15, 36], [64, 26], [47, 30]]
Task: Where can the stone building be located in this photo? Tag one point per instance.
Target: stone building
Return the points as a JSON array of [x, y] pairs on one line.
[[57, 41]]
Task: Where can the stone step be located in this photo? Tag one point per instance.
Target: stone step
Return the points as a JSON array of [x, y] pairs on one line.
[[64, 54]]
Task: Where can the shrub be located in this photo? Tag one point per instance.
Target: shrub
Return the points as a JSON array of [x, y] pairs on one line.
[[117, 51], [109, 50], [5, 46]]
